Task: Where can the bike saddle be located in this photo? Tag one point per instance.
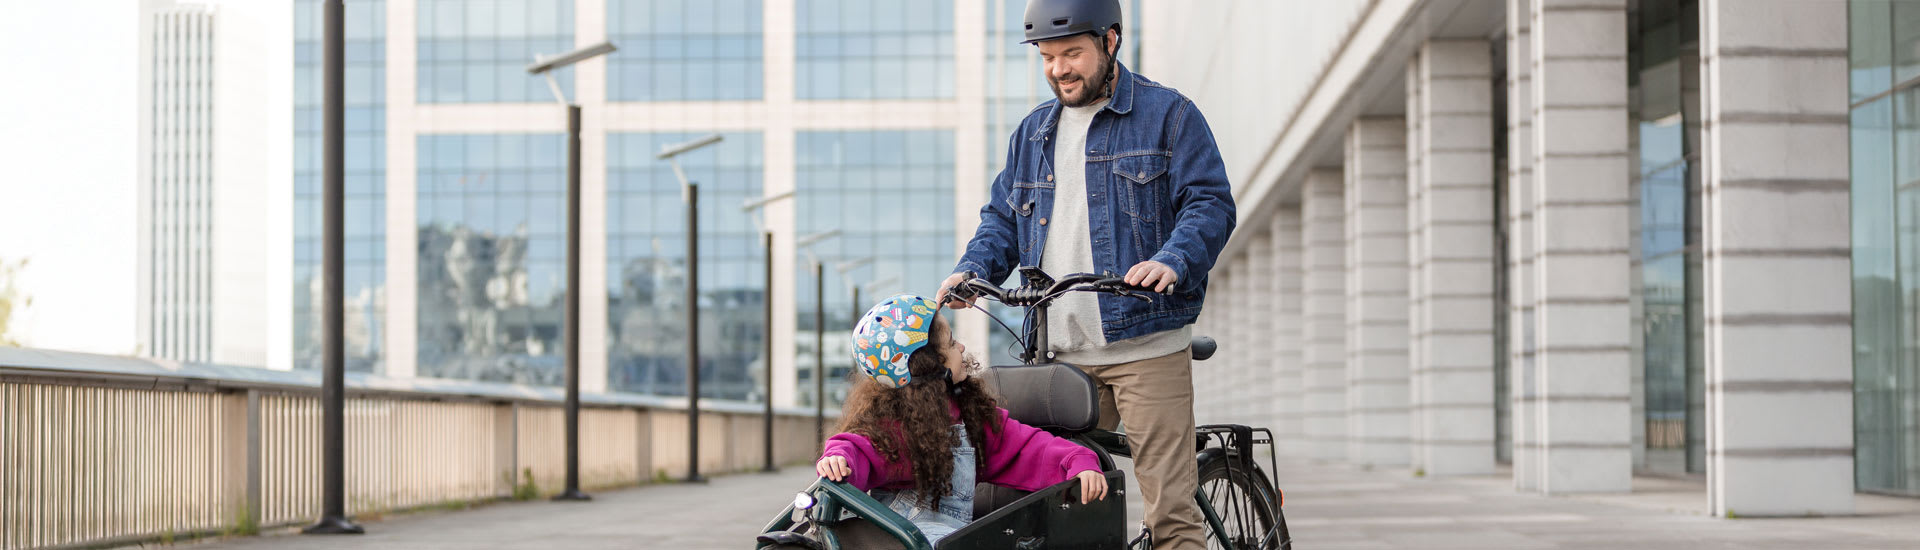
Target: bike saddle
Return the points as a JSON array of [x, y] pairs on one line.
[[1203, 347], [1056, 397]]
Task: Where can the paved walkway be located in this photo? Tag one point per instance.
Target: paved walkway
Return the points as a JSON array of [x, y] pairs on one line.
[[1328, 506]]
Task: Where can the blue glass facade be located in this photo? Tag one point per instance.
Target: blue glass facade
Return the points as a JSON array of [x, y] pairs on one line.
[[874, 49], [1885, 92], [1663, 85], [646, 267], [490, 206], [1015, 83], [365, 180], [685, 50], [478, 52], [492, 257], [890, 193]]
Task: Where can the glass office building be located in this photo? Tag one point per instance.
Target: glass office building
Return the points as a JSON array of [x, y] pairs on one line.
[[365, 179], [866, 111]]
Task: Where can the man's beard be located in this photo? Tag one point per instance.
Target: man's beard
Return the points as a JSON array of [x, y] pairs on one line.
[[1092, 90]]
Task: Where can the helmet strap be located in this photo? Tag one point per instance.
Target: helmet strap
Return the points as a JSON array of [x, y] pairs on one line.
[[1113, 66]]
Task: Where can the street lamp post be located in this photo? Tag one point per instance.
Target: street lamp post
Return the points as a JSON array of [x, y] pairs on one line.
[[545, 66], [752, 207], [333, 391], [859, 289], [853, 289], [819, 333], [867, 289], [691, 192]]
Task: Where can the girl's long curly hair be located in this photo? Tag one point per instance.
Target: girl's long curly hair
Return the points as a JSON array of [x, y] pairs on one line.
[[912, 419]]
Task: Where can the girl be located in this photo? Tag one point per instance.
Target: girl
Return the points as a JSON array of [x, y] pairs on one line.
[[918, 431]]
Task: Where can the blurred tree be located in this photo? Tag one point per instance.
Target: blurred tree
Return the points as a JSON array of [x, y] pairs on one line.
[[11, 299]]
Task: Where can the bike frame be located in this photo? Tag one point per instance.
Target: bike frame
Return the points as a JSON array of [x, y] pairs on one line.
[[1038, 286]]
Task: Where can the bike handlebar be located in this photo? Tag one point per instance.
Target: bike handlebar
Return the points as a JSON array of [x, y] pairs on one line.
[[1030, 295]]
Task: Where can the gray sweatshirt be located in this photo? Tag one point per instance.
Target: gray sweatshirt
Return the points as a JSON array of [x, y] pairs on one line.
[[1073, 320]]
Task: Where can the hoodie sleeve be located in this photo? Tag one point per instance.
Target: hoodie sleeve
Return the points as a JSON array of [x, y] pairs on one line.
[[1029, 459], [870, 470]]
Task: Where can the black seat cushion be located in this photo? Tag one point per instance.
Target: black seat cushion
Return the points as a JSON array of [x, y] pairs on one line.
[[1056, 397]]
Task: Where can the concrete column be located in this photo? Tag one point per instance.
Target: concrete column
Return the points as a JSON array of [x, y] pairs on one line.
[[1376, 288], [1778, 303], [1206, 374], [1227, 397], [1520, 368], [1285, 273], [402, 332], [1580, 229], [1324, 312], [1261, 322], [1416, 120], [1208, 324], [1453, 222]]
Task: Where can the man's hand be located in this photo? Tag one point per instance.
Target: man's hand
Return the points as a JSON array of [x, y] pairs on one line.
[[1152, 274], [952, 281], [1093, 486], [833, 467]]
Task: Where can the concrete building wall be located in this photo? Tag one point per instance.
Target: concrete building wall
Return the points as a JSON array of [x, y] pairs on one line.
[[1529, 101]]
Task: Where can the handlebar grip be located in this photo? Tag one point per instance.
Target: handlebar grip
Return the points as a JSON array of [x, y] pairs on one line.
[[1121, 283]]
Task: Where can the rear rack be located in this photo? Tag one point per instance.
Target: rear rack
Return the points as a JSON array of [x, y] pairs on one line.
[[1239, 441]]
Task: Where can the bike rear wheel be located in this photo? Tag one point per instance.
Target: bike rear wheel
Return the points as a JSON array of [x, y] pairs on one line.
[[1248, 507]]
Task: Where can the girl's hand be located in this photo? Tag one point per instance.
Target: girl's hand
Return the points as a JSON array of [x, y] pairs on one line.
[[833, 467], [1093, 486]]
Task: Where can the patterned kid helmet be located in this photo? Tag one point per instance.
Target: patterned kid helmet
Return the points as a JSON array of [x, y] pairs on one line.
[[888, 334]]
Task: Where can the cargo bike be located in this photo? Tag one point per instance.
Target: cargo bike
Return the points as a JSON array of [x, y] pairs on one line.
[[1240, 502]]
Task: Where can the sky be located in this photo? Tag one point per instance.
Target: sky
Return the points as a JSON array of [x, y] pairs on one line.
[[68, 152]]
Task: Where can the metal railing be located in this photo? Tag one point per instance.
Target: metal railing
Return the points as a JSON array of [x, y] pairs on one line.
[[101, 450]]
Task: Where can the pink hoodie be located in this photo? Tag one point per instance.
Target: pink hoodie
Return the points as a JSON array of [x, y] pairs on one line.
[[1018, 456]]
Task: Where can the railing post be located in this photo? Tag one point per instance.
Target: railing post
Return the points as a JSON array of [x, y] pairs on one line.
[[255, 461], [645, 439], [506, 447]]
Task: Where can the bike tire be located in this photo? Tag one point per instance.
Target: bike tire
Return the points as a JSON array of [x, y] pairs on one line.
[[1248, 506]]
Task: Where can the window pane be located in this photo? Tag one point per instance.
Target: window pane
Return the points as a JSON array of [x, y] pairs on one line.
[[685, 50], [646, 245], [479, 50]]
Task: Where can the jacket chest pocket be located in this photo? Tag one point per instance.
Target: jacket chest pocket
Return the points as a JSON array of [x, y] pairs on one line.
[[1023, 201], [1143, 190]]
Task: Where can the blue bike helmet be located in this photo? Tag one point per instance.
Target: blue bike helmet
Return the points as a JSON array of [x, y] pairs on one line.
[[888, 334]]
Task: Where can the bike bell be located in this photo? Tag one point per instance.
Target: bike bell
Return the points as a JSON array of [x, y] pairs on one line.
[[888, 334]]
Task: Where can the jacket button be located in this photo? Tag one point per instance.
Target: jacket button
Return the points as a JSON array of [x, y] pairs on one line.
[[1049, 177], [1143, 175], [1043, 221]]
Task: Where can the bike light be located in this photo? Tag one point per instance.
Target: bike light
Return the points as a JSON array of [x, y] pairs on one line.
[[802, 501]]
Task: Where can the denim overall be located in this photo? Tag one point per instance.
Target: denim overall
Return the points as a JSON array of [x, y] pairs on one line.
[[955, 510]]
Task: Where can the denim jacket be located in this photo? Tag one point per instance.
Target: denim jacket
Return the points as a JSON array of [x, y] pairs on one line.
[[1156, 190]]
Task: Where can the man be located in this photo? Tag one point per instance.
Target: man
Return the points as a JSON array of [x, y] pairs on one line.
[[1116, 174]]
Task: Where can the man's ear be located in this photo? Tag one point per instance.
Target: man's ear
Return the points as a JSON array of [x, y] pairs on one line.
[[1113, 42]]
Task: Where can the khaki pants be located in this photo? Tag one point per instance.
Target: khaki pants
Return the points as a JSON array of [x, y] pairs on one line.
[[1155, 398]]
